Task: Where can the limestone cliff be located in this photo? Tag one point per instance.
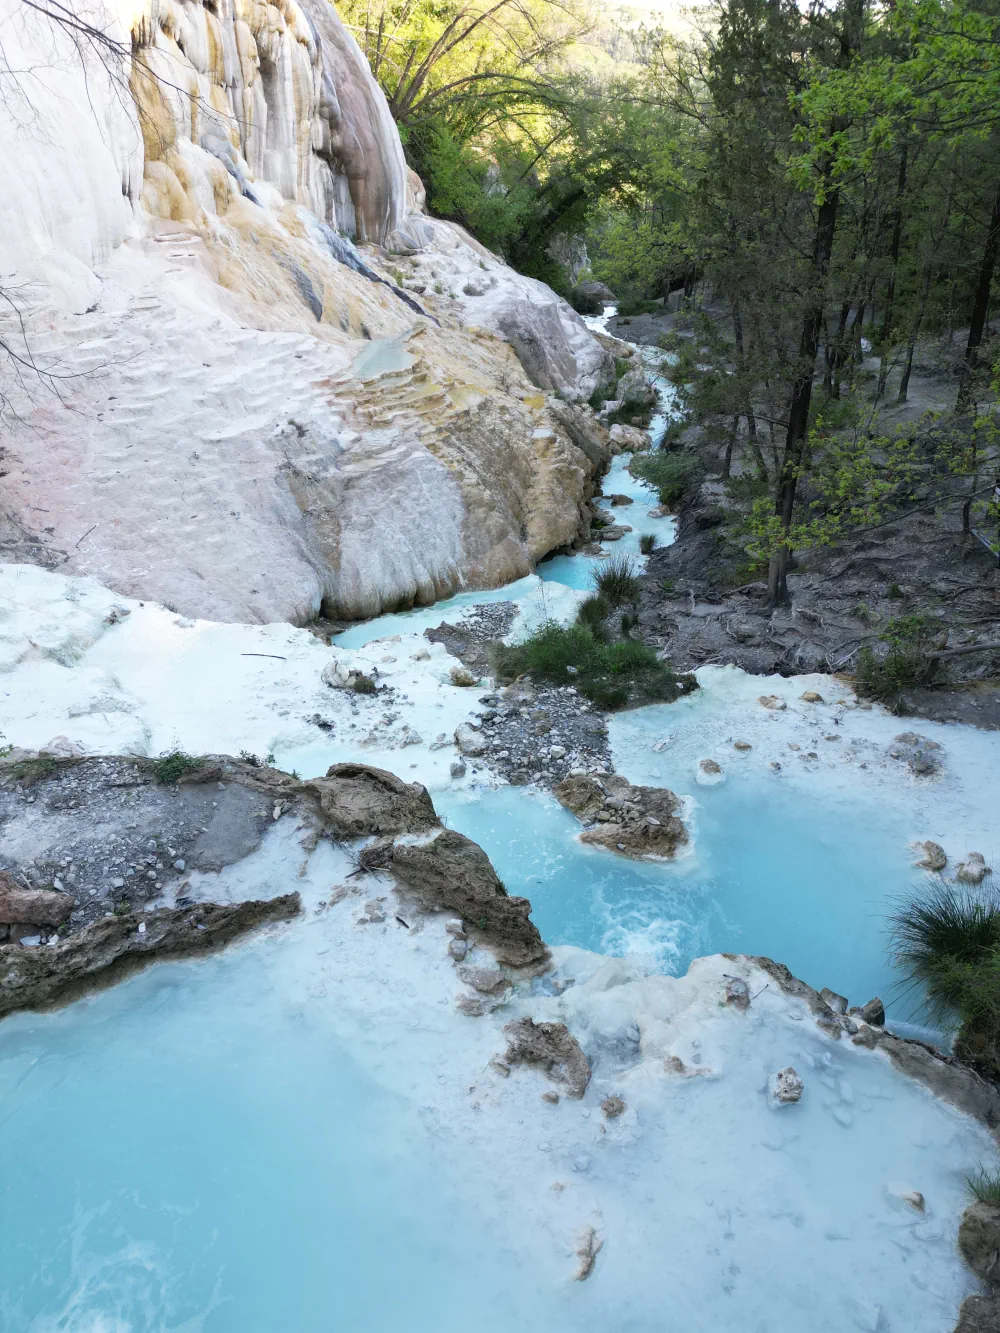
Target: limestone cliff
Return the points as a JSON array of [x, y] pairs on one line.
[[254, 378]]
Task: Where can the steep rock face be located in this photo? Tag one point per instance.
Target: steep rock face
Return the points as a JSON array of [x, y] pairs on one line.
[[239, 94], [249, 418]]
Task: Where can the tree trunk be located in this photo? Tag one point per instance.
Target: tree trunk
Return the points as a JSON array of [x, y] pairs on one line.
[[812, 324], [857, 333], [798, 409], [834, 354], [925, 287], [727, 463], [979, 307], [890, 286], [748, 411]]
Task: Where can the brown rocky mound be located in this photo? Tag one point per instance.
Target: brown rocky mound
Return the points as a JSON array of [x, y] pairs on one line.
[[451, 871], [553, 1048], [633, 821]]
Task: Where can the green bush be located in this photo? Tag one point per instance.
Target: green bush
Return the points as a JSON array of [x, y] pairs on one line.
[[633, 305], [593, 613], [647, 543], [459, 186], [617, 580], [902, 665], [31, 771], [673, 475], [172, 767], [255, 761], [610, 674], [946, 941]]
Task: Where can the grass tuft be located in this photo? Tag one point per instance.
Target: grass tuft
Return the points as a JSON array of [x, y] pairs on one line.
[[946, 942], [984, 1186], [31, 771], [617, 580], [647, 543], [593, 612]]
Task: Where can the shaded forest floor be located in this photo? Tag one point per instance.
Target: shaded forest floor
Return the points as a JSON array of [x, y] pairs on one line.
[[704, 604]]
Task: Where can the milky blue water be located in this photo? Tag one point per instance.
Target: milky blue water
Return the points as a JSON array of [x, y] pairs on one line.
[[764, 880], [194, 1153]]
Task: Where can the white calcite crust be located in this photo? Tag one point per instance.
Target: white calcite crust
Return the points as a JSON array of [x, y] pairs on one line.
[[244, 416]]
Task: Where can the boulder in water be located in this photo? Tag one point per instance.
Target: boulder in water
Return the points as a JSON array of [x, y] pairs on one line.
[[934, 856], [628, 439], [553, 1048], [633, 821], [469, 740], [451, 871], [590, 297], [787, 1086], [973, 870], [873, 1012]]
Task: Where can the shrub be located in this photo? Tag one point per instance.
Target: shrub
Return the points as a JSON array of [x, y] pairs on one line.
[[364, 685], [632, 305], [172, 767], [593, 613], [255, 761], [895, 592], [647, 543], [30, 771], [984, 1186], [610, 674], [903, 665], [608, 697], [673, 475], [617, 580], [946, 941]]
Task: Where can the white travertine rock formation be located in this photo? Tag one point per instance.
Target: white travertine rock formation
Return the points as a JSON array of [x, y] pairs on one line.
[[240, 413]]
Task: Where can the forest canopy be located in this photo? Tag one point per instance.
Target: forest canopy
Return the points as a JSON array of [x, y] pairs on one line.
[[818, 184]]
